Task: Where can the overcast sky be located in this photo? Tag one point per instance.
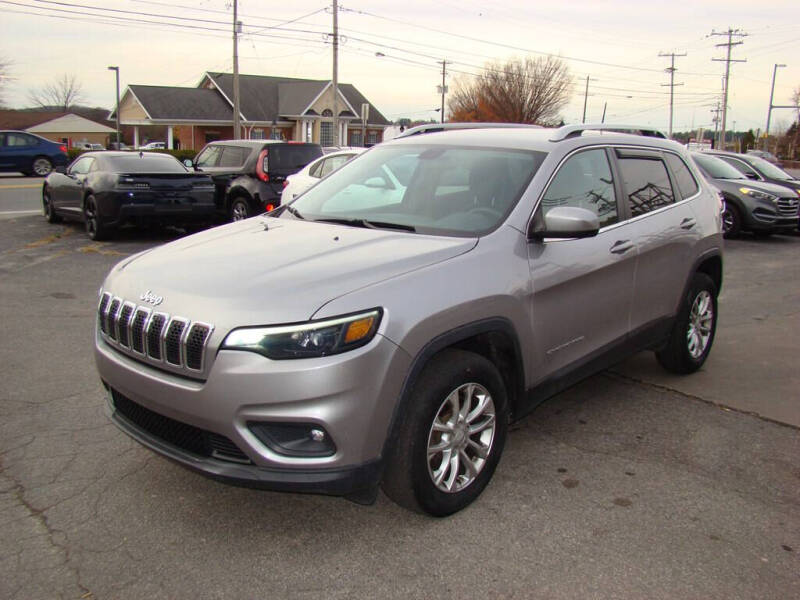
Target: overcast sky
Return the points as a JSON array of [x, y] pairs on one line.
[[616, 43]]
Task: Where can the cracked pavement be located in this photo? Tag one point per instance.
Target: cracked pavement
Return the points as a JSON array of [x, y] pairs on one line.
[[633, 484]]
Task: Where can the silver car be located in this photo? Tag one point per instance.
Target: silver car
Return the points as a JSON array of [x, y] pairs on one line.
[[384, 332]]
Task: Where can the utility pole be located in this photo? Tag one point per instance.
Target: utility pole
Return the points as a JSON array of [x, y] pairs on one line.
[[335, 81], [771, 97], [727, 60], [443, 87], [119, 138], [237, 128], [585, 98], [715, 120], [671, 70]]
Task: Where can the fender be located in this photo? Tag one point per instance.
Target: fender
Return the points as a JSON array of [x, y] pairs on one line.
[[710, 253], [446, 340]]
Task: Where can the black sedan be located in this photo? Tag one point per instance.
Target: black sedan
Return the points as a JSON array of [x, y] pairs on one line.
[[109, 189], [757, 206]]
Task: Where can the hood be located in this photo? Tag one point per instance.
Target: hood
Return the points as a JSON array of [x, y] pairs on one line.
[[733, 185], [266, 270]]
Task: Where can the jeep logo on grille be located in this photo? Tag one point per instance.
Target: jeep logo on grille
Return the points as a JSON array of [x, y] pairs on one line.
[[151, 298]]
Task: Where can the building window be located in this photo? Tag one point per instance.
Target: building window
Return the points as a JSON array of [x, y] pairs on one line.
[[257, 134], [276, 134], [355, 138], [372, 137], [326, 133], [327, 112]]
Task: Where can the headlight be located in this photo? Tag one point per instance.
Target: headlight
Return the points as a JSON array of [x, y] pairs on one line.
[[307, 340], [758, 195]]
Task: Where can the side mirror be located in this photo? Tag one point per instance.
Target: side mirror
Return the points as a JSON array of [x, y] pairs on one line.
[[188, 163], [751, 175], [567, 222]]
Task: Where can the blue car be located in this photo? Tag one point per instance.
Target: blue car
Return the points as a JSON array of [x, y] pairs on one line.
[[23, 152]]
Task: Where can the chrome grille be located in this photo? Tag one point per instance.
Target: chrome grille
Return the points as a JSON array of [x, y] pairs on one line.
[[172, 342], [788, 206]]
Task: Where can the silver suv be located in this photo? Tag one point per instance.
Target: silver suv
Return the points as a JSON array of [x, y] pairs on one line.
[[385, 327]]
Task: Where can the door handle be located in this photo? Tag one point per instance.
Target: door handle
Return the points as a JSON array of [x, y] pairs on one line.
[[621, 246], [688, 223]]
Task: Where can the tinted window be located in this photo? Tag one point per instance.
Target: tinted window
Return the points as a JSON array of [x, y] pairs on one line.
[[233, 156], [768, 169], [209, 156], [290, 158], [19, 139], [683, 176], [716, 168], [647, 184], [741, 167], [584, 181], [146, 163]]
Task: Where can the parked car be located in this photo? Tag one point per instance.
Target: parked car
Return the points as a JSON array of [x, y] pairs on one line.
[[296, 184], [758, 169], [154, 146], [29, 154], [756, 206], [108, 189], [249, 174], [330, 346], [767, 156]]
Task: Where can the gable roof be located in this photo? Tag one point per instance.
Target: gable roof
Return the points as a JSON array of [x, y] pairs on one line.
[[180, 103], [264, 98], [22, 119], [70, 123]]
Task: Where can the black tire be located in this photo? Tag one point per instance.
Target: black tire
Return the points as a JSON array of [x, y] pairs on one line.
[[47, 207], [95, 228], [409, 475], [682, 354], [41, 166], [240, 209], [731, 221]]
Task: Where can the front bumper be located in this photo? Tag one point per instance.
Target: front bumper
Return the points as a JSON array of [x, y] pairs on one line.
[[351, 395]]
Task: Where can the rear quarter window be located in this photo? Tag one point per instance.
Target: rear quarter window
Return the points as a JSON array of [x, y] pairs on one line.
[[687, 184]]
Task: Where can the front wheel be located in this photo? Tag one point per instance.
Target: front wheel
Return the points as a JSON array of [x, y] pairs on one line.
[[95, 228], [451, 437], [47, 207], [731, 221], [693, 332], [240, 209]]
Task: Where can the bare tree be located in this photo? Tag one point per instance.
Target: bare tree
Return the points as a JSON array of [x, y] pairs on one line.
[[532, 90], [63, 93]]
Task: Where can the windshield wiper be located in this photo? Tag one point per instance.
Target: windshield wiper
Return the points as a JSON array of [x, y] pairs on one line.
[[369, 224], [294, 212]]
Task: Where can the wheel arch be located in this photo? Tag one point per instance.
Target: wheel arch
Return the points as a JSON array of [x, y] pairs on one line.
[[709, 263], [494, 338]]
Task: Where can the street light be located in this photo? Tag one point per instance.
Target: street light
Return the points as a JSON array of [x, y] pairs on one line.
[[769, 112], [116, 70]]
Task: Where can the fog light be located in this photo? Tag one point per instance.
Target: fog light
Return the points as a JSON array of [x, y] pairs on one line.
[[294, 439]]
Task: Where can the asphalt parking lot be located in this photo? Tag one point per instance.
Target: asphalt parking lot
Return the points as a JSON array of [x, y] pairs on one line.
[[633, 484]]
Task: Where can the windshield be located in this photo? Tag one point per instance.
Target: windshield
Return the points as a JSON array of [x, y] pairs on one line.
[[434, 189], [768, 169], [716, 168], [145, 163]]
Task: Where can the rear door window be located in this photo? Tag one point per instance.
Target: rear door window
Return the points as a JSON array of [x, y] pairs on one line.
[[19, 140], [647, 184], [233, 156], [584, 181], [687, 184]]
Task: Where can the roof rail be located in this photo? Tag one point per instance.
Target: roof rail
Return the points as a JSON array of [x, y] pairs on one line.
[[570, 131]]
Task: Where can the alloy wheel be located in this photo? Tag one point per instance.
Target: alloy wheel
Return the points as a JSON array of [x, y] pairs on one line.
[[701, 319], [42, 167], [461, 437]]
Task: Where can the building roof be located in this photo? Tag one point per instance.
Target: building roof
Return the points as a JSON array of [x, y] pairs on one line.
[[22, 119], [180, 103], [264, 98], [70, 123]]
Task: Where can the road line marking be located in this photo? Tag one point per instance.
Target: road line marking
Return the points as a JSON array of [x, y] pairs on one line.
[[21, 212], [21, 186]]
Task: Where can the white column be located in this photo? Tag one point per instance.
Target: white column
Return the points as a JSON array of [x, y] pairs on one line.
[[169, 137], [343, 139], [135, 136]]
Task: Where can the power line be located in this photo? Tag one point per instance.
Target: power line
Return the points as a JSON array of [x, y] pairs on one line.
[[727, 60]]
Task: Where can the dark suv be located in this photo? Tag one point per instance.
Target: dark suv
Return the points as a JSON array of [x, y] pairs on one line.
[[249, 174], [23, 152]]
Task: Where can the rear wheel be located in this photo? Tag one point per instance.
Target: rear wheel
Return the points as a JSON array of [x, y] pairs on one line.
[[693, 332], [452, 436], [41, 166], [240, 209], [95, 228], [47, 207]]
